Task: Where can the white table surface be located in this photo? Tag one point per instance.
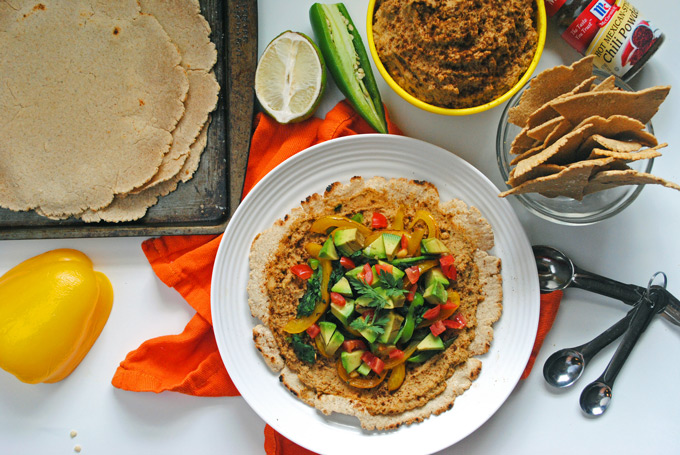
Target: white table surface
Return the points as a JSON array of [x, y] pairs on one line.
[[645, 411]]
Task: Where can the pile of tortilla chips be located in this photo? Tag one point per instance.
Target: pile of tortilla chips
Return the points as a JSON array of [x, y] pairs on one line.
[[578, 135]]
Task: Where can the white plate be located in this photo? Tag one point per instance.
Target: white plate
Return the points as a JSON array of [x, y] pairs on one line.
[[311, 171]]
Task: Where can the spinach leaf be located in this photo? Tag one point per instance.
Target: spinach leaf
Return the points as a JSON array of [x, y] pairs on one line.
[[302, 350]]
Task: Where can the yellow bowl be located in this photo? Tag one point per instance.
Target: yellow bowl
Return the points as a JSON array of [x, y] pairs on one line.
[[541, 26]]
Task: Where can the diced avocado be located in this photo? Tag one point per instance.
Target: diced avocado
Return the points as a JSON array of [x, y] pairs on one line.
[[327, 330], [435, 275], [313, 263], [354, 273], [343, 312], [369, 334], [364, 369], [342, 287], [433, 246], [430, 343], [334, 343], [376, 249], [362, 303], [396, 301], [358, 217], [392, 244], [436, 293], [391, 328], [351, 360], [347, 241], [328, 250]]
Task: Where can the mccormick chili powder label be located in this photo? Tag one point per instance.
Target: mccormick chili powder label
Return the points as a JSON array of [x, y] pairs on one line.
[[612, 30]]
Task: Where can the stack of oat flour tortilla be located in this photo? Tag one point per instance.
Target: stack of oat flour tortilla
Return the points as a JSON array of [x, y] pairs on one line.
[[104, 106]]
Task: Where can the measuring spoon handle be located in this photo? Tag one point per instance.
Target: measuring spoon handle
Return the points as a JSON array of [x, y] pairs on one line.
[[627, 293], [589, 349], [643, 315]]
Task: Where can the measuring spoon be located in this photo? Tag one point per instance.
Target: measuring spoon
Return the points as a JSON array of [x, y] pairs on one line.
[[566, 366], [597, 395], [557, 272]]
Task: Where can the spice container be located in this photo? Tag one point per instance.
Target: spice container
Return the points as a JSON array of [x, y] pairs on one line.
[[621, 39]]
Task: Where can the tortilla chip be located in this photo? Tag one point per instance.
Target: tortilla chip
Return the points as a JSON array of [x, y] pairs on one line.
[[615, 132], [542, 131], [641, 105], [541, 170], [607, 84], [522, 142], [562, 128], [613, 145], [546, 112], [569, 182], [547, 85], [561, 152], [646, 154], [531, 152], [610, 179]]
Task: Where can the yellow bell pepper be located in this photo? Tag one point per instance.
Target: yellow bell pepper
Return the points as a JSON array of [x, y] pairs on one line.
[[324, 223], [52, 309]]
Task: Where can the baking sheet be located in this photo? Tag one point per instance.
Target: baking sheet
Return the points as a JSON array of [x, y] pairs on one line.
[[204, 204]]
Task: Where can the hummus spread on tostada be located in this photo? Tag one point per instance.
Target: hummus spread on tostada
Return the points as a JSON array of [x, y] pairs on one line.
[[375, 297]]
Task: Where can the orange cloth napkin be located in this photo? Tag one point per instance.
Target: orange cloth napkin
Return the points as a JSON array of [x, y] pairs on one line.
[[189, 362]]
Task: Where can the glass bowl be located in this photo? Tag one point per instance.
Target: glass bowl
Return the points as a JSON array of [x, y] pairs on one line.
[[541, 27], [594, 207]]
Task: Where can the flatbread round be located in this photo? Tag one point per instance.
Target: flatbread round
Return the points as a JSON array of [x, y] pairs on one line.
[[90, 95], [429, 388]]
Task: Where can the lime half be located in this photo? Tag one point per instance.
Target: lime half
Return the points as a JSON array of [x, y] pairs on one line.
[[290, 77]]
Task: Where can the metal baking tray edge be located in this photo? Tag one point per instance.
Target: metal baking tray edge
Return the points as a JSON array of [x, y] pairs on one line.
[[234, 32]]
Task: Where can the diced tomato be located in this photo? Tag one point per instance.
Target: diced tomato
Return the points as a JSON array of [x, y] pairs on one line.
[[338, 299], [303, 271], [313, 330], [383, 268], [347, 263], [458, 322], [437, 328], [396, 353], [368, 274], [352, 345], [373, 361], [413, 274], [378, 221], [404, 242], [448, 267], [412, 293], [432, 313], [446, 260]]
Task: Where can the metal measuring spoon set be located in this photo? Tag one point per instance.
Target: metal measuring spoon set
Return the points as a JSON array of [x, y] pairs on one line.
[[562, 369]]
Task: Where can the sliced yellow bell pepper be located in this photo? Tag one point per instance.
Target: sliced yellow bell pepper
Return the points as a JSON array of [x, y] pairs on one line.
[[398, 223], [414, 241], [52, 309], [324, 223], [396, 379], [428, 219]]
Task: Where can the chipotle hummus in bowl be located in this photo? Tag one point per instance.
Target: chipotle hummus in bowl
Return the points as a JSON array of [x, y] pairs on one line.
[[459, 56]]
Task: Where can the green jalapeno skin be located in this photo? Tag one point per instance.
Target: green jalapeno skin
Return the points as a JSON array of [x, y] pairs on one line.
[[347, 60]]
